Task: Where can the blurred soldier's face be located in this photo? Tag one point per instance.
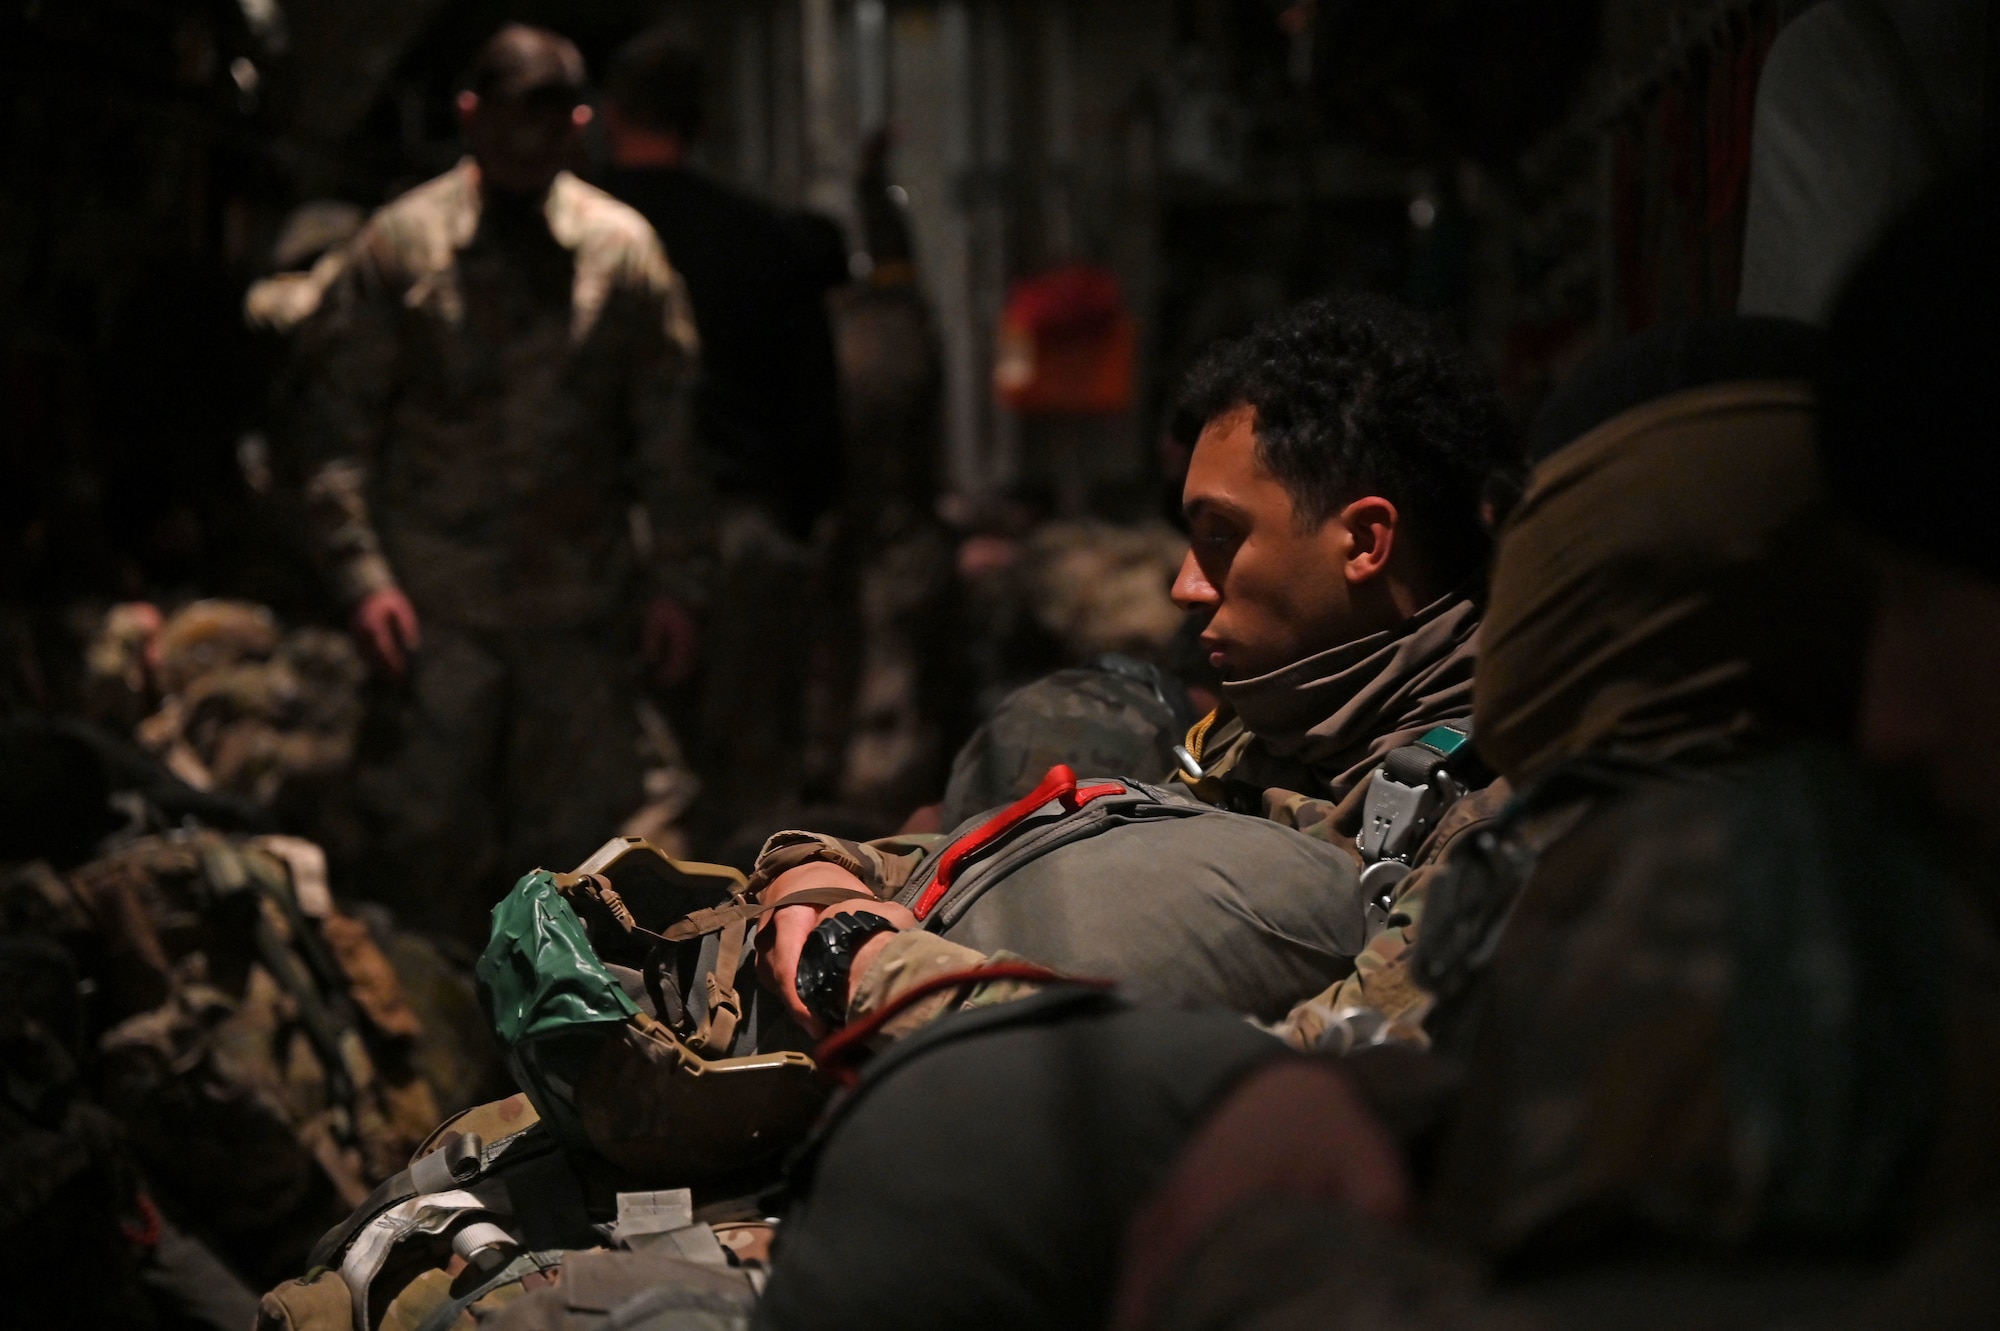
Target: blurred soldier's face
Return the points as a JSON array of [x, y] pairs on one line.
[[522, 142], [1275, 592], [1931, 693]]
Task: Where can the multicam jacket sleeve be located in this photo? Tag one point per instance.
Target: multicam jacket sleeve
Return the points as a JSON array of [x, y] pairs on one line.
[[914, 958]]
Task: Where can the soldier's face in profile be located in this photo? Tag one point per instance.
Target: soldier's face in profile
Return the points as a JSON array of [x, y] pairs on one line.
[[1929, 696], [521, 143], [1276, 592]]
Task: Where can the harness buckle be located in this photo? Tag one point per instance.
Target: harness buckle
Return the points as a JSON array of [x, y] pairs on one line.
[[1392, 815], [1413, 785]]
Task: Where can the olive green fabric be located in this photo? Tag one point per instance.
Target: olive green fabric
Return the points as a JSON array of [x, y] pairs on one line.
[[539, 975], [1670, 586]]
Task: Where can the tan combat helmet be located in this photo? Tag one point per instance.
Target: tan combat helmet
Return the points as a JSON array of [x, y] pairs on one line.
[[615, 991]]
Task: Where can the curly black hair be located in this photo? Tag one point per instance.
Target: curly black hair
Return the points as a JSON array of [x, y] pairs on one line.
[[1357, 395]]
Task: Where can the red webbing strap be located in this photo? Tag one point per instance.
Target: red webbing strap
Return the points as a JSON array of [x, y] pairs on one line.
[[143, 1229], [837, 1052], [1060, 783]]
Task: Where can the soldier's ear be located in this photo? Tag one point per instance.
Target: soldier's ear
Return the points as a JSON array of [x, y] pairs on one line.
[[468, 108], [1371, 529]]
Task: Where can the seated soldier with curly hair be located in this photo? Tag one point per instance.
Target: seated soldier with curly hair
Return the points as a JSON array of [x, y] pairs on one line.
[[1337, 559]]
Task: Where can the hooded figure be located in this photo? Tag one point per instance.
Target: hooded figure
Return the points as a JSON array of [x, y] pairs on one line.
[[1668, 588], [1674, 617]]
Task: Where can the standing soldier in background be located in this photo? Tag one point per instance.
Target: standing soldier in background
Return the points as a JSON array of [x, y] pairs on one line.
[[909, 696], [493, 415], [766, 414]]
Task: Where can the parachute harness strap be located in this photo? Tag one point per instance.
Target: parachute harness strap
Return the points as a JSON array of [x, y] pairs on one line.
[[839, 1054]]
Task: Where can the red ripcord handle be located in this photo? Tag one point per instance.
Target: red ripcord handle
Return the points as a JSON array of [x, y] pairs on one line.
[[1060, 784]]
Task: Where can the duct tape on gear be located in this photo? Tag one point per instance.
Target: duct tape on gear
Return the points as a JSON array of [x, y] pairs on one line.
[[677, 1095]]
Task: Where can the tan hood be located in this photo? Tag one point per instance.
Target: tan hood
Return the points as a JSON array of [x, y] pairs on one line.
[[1670, 585]]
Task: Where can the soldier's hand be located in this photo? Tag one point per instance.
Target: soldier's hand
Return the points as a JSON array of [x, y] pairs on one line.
[[386, 624], [784, 931], [670, 642]]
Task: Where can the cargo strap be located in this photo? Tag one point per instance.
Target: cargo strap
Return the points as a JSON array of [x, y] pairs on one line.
[[1411, 788], [459, 1161], [298, 958], [525, 1264], [428, 1213]]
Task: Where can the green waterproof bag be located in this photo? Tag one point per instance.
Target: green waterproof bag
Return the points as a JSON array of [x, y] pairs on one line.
[[550, 999]]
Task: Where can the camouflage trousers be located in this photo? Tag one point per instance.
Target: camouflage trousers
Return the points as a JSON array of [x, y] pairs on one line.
[[500, 753]]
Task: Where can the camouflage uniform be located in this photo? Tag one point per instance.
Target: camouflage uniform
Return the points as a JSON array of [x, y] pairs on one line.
[[1684, 1018], [493, 414], [1382, 1001], [912, 958], [238, 705], [1317, 728], [1210, 908]]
